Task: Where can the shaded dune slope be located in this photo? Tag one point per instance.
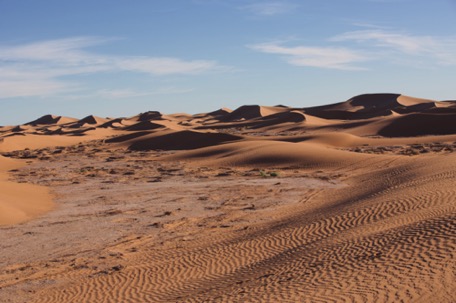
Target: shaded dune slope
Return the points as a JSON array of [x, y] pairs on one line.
[[247, 112], [182, 140], [51, 119], [276, 119], [421, 124], [172, 140], [373, 105], [269, 154], [143, 125]]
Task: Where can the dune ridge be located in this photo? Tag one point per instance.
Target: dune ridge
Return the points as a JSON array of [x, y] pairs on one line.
[[383, 115]]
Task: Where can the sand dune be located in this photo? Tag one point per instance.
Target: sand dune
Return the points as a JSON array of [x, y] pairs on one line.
[[20, 202], [214, 114], [250, 112], [59, 138], [389, 115], [347, 202], [280, 118], [412, 125], [116, 123], [92, 120], [359, 107], [88, 122], [331, 139], [143, 125], [374, 105], [151, 115], [51, 119], [180, 140], [293, 117], [270, 154]]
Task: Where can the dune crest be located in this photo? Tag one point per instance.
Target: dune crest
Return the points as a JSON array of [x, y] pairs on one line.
[[386, 115], [247, 112], [51, 119]]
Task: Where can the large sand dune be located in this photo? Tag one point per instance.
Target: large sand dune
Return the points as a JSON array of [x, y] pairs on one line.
[[348, 202]]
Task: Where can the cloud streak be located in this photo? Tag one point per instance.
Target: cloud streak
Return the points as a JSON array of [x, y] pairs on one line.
[[164, 66], [130, 93], [436, 49], [403, 43], [37, 69], [269, 8], [354, 50], [323, 57]]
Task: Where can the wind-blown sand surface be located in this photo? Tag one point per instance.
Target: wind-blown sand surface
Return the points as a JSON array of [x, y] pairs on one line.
[[20, 202], [350, 202]]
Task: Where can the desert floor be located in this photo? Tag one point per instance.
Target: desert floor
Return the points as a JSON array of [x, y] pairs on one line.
[[303, 206]]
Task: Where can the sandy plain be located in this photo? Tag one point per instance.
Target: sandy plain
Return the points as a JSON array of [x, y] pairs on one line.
[[349, 202]]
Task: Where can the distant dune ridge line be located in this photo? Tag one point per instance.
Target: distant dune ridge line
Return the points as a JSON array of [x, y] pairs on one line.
[[364, 117], [384, 115]]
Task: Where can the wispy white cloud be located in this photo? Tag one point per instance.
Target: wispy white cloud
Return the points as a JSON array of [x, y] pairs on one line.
[[37, 69], [63, 51], [368, 25], [401, 42], [388, 1], [124, 93], [323, 57], [132, 93], [17, 80], [438, 50], [32, 87], [165, 66], [269, 8], [353, 50]]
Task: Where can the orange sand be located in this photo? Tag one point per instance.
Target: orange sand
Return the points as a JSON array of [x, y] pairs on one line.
[[347, 202], [20, 202]]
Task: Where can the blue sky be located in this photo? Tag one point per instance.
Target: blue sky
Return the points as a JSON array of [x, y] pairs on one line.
[[118, 58]]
